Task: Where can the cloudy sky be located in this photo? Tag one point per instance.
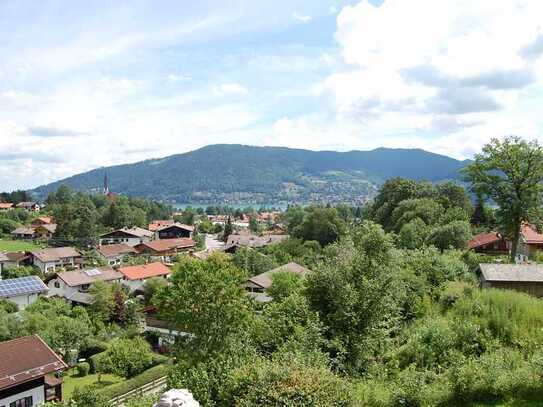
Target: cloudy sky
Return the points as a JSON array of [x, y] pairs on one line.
[[90, 84]]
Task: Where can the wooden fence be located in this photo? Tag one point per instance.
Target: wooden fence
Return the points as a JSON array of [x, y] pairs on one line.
[[149, 388]]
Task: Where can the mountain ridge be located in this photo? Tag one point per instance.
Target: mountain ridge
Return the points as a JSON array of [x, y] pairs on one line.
[[230, 173]]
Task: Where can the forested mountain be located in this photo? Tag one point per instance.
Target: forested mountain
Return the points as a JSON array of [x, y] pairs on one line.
[[246, 174]]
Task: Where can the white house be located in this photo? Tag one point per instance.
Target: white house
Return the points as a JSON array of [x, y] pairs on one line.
[[115, 253], [129, 236], [135, 276], [12, 259], [27, 373], [22, 291], [75, 285], [49, 260]]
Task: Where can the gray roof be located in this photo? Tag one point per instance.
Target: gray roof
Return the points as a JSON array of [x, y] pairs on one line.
[[264, 280], [14, 287], [82, 298], [252, 240], [89, 276], [135, 231], [56, 254], [532, 273]]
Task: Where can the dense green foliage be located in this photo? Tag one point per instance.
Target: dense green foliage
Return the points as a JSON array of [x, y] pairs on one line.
[[81, 217], [511, 173], [237, 173]]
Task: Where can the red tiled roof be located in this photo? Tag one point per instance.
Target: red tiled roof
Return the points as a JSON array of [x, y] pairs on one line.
[[145, 271], [42, 219], [531, 235], [158, 224], [5, 205], [26, 358], [482, 239], [165, 245]]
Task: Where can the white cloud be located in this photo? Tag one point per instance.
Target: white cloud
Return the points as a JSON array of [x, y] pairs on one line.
[[415, 70], [301, 18], [231, 88]]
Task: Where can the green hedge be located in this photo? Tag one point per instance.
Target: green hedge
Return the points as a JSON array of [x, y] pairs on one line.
[[94, 362], [124, 387]]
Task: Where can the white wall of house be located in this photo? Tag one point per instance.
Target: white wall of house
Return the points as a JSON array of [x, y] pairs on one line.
[[130, 241], [114, 260], [37, 394], [51, 267], [60, 288], [23, 301]]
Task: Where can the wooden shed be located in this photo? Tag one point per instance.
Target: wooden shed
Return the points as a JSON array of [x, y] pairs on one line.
[[527, 278]]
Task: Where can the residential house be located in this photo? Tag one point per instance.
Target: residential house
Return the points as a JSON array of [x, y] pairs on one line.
[[166, 248], [159, 224], [174, 231], [525, 277], [130, 236], [29, 373], [5, 206], [13, 259], [488, 242], [23, 233], [530, 240], [115, 253], [136, 276], [49, 260], [252, 241], [29, 206], [45, 231], [261, 282], [41, 220], [22, 291], [75, 285]]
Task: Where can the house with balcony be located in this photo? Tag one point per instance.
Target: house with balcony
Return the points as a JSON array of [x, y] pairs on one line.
[[129, 236], [29, 373], [50, 260]]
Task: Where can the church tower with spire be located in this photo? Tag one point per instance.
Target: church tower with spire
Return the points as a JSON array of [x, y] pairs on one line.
[[106, 184]]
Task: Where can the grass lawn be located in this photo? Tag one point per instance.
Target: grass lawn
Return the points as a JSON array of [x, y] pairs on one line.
[[71, 381], [17, 245]]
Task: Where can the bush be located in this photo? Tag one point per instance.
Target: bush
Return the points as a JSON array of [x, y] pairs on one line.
[[494, 375], [83, 369], [138, 381], [285, 383], [94, 362], [126, 357]]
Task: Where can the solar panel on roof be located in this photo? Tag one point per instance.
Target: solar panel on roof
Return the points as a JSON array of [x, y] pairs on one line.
[[20, 286], [92, 272]]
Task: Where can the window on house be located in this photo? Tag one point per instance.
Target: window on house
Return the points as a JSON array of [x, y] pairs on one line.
[[57, 284], [85, 287], [24, 402]]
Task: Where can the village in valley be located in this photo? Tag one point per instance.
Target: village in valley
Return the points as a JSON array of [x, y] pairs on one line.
[[110, 298]]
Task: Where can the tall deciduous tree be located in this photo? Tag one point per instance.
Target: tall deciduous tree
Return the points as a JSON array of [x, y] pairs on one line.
[[510, 172], [207, 300]]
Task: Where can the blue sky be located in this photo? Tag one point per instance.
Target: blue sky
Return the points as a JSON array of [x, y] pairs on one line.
[[86, 85]]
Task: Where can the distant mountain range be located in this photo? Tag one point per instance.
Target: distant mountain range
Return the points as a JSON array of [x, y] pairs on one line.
[[239, 174]]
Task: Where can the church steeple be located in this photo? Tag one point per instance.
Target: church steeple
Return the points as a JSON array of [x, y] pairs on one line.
[[106, 184]]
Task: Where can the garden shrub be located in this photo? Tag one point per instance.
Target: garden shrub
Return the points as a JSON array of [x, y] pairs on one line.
[[83, 369]]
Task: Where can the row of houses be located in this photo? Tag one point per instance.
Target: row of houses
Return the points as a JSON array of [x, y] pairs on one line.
[[531, 240], [75, 285], [29, 206], [42, 228]]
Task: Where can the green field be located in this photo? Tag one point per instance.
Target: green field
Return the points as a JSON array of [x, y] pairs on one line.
[[71, 381], [17, 245]]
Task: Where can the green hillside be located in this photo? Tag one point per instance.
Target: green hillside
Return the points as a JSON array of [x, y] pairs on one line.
[[237, 173]]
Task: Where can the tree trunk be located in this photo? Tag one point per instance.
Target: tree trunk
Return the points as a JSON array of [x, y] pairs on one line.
[[516, 238]]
